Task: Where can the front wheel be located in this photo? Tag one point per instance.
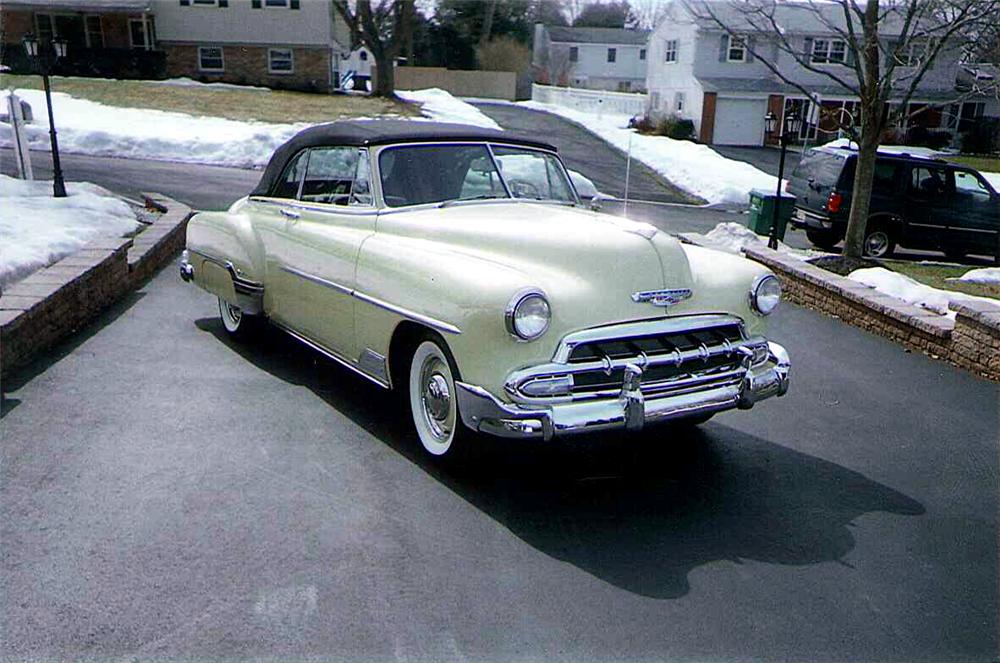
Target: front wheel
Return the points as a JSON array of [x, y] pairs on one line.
[[823, 239], [434, 403], [879, 242]]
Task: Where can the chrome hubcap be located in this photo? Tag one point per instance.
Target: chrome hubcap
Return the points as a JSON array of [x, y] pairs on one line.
[[436, 399], [876, 243], [235, 314]]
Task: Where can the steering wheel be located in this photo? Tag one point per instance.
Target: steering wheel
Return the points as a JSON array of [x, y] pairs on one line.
[[523, 189]]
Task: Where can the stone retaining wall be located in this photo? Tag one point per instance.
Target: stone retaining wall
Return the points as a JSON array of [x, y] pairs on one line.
[[971, 342], [53, 302]]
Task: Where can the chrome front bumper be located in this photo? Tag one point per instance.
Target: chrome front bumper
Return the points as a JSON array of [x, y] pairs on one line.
[[631, 410]]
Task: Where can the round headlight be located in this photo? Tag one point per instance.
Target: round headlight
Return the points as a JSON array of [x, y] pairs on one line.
[[528, 314], [765, 294]]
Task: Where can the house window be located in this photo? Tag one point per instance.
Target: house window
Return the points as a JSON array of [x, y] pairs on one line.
[[363, 56], [574, 53], [276, 3], [280, 61], [210, 58], [642, 53], [44, 28], [612, 54], [737, 51], [140, 33], [670, 50], [95, 34], [205, 3], [829, 51], [679, 102], [912, 54]]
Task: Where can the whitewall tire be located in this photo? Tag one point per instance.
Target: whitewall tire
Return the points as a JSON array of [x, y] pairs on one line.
[[236, 323], [433, 401]]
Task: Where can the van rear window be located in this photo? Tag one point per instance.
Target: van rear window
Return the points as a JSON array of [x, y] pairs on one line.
[[821, 166]]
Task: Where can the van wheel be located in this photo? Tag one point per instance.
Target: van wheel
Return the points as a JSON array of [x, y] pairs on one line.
[[238, 325], [433, 401], [879, 242], [822, 239]]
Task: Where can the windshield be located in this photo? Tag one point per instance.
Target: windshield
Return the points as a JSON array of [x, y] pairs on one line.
[[416, 174]]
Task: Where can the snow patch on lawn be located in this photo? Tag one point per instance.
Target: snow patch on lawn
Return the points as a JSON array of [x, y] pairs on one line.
[[88, 127], [698, 169], [993, 179], [985, 276], [190, 82], [441, 106], [913, 292], [38, 229], [733, 237]]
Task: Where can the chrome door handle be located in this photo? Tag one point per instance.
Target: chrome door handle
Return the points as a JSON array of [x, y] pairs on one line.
[[289, 214]]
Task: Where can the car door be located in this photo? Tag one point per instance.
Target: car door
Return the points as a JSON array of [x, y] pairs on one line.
[[332, 217], [975, 220], [928, 206]]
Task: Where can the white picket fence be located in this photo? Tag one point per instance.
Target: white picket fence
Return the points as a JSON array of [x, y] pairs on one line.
[[591, 101]]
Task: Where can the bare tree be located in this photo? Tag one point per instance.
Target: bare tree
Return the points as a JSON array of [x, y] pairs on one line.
[[890, 47], [385, 27]]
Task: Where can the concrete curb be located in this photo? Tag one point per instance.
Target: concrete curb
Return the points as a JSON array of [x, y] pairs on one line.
[[52, 303], [971, 342]]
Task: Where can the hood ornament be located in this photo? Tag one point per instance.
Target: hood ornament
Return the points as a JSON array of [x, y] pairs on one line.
[[662, 297]]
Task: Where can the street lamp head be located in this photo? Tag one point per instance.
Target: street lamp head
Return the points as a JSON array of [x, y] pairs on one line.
[[59, 45], [30, 45], [769, 121], [793, 123]]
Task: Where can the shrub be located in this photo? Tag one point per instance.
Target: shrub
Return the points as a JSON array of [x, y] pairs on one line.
[[983, 137], [671, 126], [503, 54]]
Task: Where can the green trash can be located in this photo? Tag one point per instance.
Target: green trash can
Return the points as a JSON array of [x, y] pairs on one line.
[[761, 212]]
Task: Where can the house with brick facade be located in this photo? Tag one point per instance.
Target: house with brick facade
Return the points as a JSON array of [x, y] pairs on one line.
[[107, 38], [700, 72]]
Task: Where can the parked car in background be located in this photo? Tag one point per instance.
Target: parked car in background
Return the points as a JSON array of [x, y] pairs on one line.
[[917, 202], [457, 265]]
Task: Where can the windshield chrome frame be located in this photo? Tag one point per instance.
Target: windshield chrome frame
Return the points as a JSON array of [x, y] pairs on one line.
[[375, 153]]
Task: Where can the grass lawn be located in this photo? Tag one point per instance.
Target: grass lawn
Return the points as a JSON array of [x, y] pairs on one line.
[[989, 164], [231, 103], [936, 276]]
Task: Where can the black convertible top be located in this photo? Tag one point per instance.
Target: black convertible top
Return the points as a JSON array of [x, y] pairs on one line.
[[362, 133]]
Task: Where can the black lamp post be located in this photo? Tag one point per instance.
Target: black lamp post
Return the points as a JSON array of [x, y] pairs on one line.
[[44, 60], [792, 125]]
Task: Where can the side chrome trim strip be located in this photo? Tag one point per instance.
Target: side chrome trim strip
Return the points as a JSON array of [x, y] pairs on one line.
[[330, 354], [434, 323]]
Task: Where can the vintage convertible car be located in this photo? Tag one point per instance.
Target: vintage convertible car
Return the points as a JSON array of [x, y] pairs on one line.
[[458, 265]]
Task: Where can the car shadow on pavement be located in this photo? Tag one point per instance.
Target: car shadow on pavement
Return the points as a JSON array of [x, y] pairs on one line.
[[639, 512]]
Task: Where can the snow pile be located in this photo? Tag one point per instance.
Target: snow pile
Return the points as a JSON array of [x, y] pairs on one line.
[[440, 106], [913, 292], [38, 229], [993, 179], [733, 237], [698, 169], [190, 82], [88, 127], [985, 275], [586, 187]]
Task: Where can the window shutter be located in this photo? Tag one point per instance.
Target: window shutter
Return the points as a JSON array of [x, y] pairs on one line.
[[751, 45], [809, 49], [723, 48], [293, 4], [185, 3], [223, 3], [254, 4]]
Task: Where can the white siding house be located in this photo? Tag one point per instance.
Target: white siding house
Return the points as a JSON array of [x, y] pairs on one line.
[[595, 58]]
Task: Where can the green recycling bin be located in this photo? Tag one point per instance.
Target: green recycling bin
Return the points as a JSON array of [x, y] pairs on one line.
[[761, 212]]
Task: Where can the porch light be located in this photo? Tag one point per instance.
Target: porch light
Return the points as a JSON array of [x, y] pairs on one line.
[[769, 122], [30, 45], [793, 124], [59, 45]]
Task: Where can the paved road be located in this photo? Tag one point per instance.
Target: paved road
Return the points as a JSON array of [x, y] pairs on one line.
[[165, 495]]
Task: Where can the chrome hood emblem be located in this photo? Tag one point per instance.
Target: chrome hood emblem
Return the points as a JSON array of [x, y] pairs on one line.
[[662, 297]]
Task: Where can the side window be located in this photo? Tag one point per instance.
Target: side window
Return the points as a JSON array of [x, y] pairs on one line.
[[532, 174], [929, 182], [288, 184], [966, 182], [361, 192], [885, 176], [329, 174], [482, 180]]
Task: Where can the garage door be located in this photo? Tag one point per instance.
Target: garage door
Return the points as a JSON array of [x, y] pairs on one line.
[[739, 121]]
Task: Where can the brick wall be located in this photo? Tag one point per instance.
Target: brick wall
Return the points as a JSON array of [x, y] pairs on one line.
[[15, 24], [972, 342], [248, 65]]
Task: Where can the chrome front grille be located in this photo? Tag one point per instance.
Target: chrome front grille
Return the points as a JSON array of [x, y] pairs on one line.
[[675, 355]]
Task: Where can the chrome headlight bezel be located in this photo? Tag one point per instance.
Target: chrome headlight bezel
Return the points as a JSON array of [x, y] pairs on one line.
[[520, 298], [757, 290]]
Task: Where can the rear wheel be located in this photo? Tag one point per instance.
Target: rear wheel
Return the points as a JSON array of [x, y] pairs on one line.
[[822, 239], [433, 402], [879, 241], [955, 254], [238, 325]]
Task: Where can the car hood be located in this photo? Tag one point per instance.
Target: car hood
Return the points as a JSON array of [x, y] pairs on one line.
[[589, 264]]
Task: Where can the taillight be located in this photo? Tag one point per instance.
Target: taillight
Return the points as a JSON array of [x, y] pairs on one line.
[[833, 202]]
